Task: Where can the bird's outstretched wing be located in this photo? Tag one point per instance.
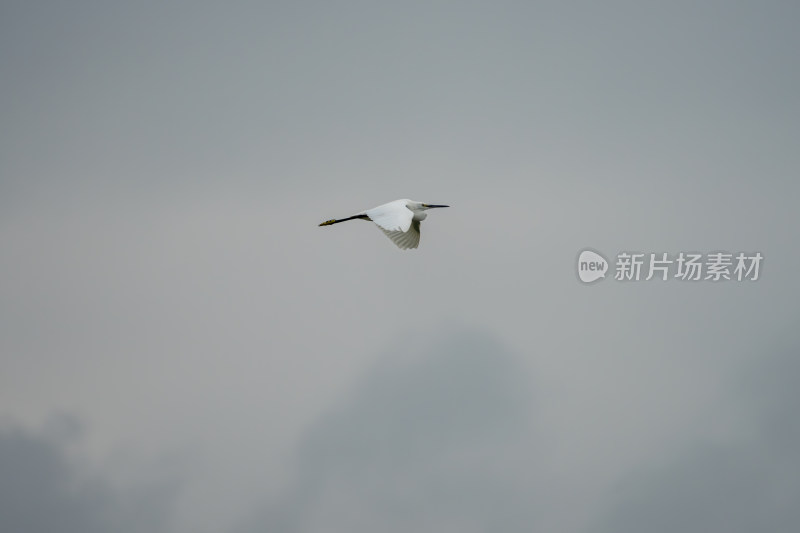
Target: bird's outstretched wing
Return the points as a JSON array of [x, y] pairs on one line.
[[394, 216], [397, 222], [405, 239]]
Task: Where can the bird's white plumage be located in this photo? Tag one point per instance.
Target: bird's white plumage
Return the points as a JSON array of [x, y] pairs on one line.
[[399, 220], [405, 239], [394, 216]]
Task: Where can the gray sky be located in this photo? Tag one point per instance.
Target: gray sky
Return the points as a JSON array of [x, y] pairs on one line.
[[183, 349]]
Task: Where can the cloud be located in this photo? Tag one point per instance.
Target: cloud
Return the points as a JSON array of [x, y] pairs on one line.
[[428, 441], [751, 483], [41, 490]]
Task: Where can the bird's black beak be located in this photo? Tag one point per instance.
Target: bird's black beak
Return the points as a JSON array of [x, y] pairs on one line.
[[431, 206]]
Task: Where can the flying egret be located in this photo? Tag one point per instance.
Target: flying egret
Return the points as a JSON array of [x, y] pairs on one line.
[[399, 220]]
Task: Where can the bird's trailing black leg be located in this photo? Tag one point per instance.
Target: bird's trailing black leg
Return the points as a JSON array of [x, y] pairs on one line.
[[336, 221]]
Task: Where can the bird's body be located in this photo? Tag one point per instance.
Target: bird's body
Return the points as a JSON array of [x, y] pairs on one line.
[[399, 220]]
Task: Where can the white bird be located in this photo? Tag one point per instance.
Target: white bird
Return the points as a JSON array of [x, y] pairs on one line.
[[399, 220]]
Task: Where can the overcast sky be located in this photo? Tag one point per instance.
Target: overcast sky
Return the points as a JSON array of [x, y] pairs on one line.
[[182, 349]]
